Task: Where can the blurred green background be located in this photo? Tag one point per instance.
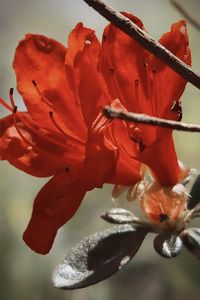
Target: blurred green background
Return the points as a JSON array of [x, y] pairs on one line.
[[26, 275]]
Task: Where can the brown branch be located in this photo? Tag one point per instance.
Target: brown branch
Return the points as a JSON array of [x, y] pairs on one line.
[[186, 15], [145, 40], [114, 113]]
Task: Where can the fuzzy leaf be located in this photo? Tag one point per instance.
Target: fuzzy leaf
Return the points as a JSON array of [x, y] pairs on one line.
[[118, 216], [168, 245], [191, 240], [98, 256], [195, 194]]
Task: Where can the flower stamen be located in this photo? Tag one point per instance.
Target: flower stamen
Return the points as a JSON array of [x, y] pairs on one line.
[[14, 107], [43, 98], [14, 112], [30, 124], [6, 105], [51, 115], [99, 123], [163, 217]]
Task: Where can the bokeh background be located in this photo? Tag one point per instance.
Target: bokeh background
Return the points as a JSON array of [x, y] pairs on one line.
[[26, 275]]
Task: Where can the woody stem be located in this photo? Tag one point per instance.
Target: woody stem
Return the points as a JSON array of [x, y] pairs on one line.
[[145, 40], [114, 113]]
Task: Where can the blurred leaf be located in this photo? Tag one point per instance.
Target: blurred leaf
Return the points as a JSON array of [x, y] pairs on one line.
[[195, 194], [168, 245], [98, 256], [118, 216], [191, 240]]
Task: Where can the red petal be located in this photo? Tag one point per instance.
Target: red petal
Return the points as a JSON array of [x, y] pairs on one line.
[[31, 152], [82, 65], [139, 79], [42, 60], [177, 42], [127, 168], [54, 205], [59, 199], [123, 61], [162, 160]]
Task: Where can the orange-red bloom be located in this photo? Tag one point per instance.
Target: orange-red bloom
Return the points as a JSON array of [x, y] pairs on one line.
[[64, 134]]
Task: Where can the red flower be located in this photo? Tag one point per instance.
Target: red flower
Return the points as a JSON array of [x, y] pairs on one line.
[[64, 134]]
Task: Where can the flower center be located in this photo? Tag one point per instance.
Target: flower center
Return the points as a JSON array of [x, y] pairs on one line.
[[163, 208], [166, 208]]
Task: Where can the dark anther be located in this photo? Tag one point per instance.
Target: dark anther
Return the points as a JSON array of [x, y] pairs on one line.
[[104, 37], [11, 91], [15, 109], [154, 71], [112, 70], [142, 146], [163, 217], [136, 81], [34, 82], [50, 113], [178, 109], [67, 169]]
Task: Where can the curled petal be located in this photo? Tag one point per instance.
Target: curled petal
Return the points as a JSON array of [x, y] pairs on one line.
[[54, 205], [59, 199]]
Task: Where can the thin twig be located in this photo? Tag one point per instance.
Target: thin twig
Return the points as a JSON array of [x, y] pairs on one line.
[[186, 15], [145, 40], [114, 113]]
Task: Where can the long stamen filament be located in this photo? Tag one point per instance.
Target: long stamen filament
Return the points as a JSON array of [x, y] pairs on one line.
[[6, 105], [43, 98], [18, 129], [12, 99], [31, 125], [51, 115], [28, 124], [99, 124]]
